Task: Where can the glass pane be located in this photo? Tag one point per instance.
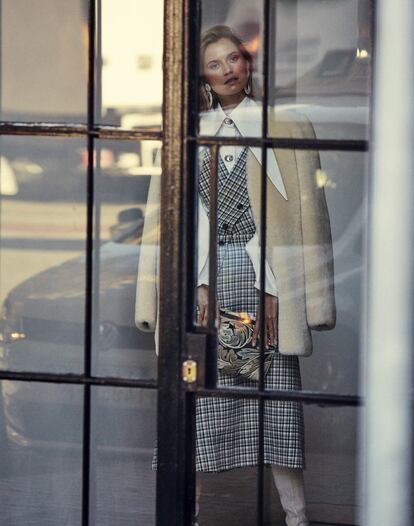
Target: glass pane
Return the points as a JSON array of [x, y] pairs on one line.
[[123, 438], [335, 362], [332, 460], [315, 253], [316, 215], [40, 453], [320, 67], [42, 271], [329, 491], [123, 173], [43, 60], [131, 74]]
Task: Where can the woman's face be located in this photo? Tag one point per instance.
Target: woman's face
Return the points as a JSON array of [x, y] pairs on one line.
[[225, 69]]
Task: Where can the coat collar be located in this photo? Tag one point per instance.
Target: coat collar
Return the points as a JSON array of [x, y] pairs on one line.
[[247, 117]]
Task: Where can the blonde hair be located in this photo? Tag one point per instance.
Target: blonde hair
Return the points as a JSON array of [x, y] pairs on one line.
[[211, 36]]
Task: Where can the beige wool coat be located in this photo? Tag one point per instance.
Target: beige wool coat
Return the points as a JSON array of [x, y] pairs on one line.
[[298, 242]]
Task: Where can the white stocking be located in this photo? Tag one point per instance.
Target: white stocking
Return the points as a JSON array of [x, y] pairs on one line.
[[197, 502], [290, 486]]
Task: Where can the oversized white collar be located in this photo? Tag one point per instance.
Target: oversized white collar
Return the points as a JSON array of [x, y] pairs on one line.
[[247, 116]]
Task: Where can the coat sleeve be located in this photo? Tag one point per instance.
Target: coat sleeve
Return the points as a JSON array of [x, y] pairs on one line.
[[146, 298], [316, 232]]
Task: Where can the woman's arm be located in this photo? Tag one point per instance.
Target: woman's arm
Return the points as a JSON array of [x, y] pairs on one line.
[[270, 320]]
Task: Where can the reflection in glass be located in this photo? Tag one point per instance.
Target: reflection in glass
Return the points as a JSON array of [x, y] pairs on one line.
[[42, 272], [332, 458], [131, 73], [228, 498], [123, 436], [299, 261], [298, 276], [320, 64], [334, 366], [338, 178], [330, 202], [122, 177], [40, 453], [43, 60]]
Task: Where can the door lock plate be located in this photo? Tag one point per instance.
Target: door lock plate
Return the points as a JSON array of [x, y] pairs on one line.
[[189, 371]]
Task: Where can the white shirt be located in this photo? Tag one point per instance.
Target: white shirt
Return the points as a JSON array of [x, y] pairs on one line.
[[243, 120]]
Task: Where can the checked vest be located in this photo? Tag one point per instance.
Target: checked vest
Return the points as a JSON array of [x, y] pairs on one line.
[[234, 219]]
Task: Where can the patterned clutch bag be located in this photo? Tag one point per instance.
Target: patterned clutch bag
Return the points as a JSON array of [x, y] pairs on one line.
[[235, 355]]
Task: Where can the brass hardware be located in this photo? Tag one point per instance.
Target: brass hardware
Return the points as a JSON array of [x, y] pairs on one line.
[[189, 371]]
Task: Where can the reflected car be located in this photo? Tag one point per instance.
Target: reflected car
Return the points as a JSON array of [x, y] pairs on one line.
[[42, 329]]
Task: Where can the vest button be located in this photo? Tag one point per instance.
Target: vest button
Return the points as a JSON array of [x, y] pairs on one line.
[[228, 158], [224, 226], [228, 121], [239, 206], [221, 243]]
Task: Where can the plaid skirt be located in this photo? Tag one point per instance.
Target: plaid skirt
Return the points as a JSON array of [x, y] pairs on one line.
[[227, 428]]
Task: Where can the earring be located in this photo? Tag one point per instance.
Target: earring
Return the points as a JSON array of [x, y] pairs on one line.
[[209, 95], [248, 87]]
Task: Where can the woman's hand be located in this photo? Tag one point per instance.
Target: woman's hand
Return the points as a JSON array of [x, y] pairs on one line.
[[202, 300], [271, 321]]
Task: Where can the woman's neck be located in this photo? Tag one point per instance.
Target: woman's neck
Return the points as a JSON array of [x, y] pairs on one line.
[[229, 103]]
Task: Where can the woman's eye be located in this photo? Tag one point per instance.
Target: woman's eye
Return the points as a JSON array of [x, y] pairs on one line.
[[234, 58], [213, 65]]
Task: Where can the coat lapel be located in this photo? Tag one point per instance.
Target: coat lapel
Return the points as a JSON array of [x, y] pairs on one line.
[[278, 208]]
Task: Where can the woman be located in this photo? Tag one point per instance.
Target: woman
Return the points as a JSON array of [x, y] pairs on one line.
[[298, 278]]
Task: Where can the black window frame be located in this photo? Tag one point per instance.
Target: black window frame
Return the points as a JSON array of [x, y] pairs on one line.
[[176, 400], [176, 474]]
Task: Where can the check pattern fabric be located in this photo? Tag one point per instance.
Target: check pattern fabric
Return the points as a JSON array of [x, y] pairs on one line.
[[234, 220], [227, 429], [235, 227]]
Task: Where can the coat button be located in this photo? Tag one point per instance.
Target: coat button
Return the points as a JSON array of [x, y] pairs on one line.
[[228, 121], [224, 226], [228, 158], [221, 243], [239, 206]]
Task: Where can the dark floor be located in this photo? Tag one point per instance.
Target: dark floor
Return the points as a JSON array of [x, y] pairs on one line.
[[229, 499], [42, 487]]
